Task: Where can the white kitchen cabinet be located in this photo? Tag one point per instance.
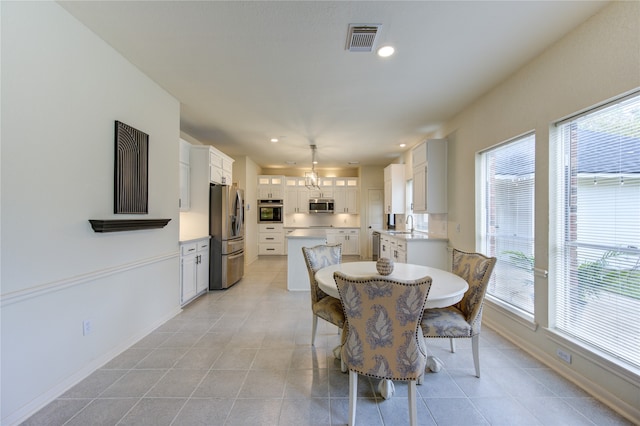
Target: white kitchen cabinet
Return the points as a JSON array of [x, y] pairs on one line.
[[394, 189], [270, 239], [349, 238], [194, 269], [326, 190], [185, 200], [270, 187], [385, 246], [345, 194], [417, 250], [430, 176], [296, 199], [216, 162], [220, 167]]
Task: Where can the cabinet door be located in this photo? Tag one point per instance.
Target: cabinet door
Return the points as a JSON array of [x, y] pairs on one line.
[[352, 243], [303, 200], [215, 174], [351, 200], [419, 193], [202, 271], [185, 200], [188, 277], [291, 200]]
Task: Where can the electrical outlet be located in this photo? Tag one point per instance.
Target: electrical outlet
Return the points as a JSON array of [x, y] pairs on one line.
[[565, 356], [87, 327]]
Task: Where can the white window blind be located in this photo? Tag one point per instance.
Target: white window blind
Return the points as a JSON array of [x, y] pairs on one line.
[[596, 254], [508, 176]]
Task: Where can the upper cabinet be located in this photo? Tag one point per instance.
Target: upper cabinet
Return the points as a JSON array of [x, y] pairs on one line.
[[270, 187], [185, 200], [394, 189], [326, 185], [430, 176], [296, 198], [218, 164], [345, 194], [220, 167]]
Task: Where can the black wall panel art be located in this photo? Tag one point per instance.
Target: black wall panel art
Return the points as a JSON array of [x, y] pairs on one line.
[[131, 183], [131, 190]]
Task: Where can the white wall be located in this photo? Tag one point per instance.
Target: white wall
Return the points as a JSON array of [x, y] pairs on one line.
[[62, 90], [597, 61]]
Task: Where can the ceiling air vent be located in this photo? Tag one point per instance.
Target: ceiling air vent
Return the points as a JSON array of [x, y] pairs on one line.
[[362, 37]]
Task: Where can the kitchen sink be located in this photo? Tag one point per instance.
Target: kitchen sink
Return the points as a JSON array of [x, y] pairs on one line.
[[400, 232]]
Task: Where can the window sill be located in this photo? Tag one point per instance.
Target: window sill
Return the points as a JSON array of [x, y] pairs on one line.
[[513, 313], [622, 370]]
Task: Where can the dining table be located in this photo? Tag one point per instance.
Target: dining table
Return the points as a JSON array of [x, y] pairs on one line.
[[446, 289]]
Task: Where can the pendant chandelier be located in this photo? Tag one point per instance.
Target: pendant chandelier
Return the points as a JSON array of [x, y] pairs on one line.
[[311, 178]]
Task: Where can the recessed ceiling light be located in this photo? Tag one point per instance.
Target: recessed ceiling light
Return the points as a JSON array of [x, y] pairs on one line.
[[354, 162], [386, 51], [274, 140], [402, 145], [291, 163]]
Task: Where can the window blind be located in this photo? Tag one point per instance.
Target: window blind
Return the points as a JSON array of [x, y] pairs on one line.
[[507, 230], [597, 255]]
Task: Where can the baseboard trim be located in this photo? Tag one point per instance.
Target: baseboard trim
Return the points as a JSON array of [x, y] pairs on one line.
[[46, 398], [598, 392]]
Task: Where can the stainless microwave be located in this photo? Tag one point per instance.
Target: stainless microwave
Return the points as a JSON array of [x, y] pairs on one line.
[[320, 205]]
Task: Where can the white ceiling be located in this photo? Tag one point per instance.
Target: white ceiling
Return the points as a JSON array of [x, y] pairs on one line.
[[245, 72]]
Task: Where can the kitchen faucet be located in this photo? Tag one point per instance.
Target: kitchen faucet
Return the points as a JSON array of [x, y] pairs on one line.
[[407, 221]]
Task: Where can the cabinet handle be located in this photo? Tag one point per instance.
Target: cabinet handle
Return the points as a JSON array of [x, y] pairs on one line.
[[270, 249], [269, 238], [191, 249]]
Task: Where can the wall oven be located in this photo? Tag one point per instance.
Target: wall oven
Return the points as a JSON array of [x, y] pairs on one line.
[[269, 211]]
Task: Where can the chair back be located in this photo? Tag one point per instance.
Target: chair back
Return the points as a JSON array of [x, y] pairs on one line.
[[317, 258], [382, 336], [475, 269]]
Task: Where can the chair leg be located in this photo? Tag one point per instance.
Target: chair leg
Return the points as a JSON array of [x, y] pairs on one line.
[[413, 409], [353, 392], [452, 342], [313, 330], [475, 346]]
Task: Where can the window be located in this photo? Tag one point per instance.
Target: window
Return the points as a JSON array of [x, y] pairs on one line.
[[596, 256], [506, 220]]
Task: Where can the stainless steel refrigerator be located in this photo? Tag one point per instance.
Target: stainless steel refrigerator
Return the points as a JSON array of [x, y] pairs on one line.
[[226, 227]]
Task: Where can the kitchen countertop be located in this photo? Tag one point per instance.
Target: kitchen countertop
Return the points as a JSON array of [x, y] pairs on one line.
[[307, 233], [412, 236], [192, 238]]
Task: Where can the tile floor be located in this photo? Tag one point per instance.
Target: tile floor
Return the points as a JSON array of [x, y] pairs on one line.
[[242, 356]]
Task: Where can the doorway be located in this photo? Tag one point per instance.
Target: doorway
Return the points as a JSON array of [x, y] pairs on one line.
[[375, 215]]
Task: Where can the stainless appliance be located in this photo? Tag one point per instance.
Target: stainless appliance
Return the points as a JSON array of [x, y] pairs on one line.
[[320, 205], [375, 245], [226, 227], [270, 211]]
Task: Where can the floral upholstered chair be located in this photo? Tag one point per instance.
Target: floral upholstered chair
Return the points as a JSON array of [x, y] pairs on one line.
[[382, 336], [463, 320], [323, 306]]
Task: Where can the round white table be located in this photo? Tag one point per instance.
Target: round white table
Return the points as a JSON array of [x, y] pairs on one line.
[[446, 288]]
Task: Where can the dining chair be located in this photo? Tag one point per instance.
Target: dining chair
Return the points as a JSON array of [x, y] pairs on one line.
[[382, 336], [464, 319], [323, 306]]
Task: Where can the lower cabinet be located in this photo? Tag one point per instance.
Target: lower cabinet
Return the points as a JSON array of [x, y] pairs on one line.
[[349, 238], [426, 252], [194, 269], [270, 239]]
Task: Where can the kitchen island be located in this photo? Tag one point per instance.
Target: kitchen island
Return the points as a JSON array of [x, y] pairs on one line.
[[297, 275], [419, 248]]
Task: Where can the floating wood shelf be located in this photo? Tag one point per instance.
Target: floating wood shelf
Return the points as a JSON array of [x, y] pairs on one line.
[[118, 225]]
